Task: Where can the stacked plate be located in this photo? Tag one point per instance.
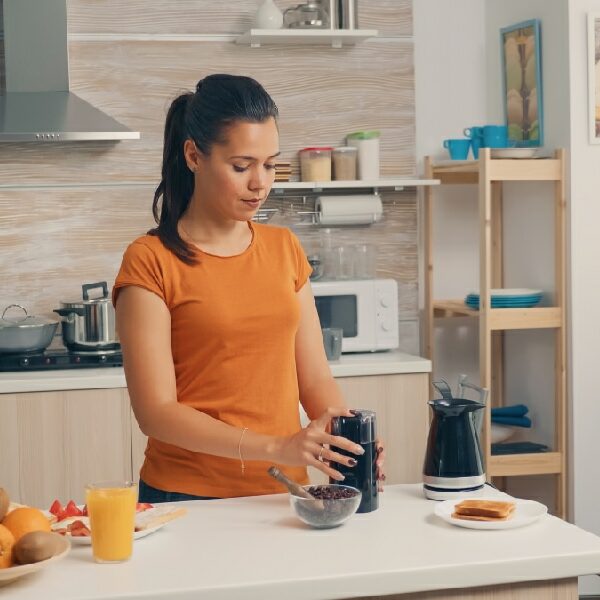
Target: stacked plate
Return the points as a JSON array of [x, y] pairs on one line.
[[508, 298]]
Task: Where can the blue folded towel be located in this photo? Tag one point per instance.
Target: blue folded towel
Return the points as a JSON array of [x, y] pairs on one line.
[[515, 410], [515, 421]]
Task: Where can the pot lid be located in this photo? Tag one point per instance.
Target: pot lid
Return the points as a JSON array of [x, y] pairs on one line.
[[85, 299], [22, 320]]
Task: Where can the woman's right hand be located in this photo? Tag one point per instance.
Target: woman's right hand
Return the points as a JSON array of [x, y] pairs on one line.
[[310, 445]]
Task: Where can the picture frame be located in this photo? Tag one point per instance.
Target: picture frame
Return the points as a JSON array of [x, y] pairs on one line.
[[520, 48], [594, 77]]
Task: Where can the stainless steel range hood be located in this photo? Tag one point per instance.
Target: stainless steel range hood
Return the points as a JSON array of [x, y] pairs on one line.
[[37, 105]]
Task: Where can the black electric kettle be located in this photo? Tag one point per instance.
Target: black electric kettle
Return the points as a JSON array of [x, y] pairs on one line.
[[453, 460]]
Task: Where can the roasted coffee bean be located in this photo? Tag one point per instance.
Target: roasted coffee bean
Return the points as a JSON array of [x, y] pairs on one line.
[[325, 492]]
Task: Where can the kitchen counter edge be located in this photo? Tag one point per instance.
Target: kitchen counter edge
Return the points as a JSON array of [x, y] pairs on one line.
[[350, 365]]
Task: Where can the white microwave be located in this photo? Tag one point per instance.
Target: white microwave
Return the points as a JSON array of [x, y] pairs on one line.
[[366, 309]]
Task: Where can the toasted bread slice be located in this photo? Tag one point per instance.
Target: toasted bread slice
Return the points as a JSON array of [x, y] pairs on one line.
[[157, 516], [485, 508], [479, 517]]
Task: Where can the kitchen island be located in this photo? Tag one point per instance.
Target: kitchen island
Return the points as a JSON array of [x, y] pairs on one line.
[[256, 549]]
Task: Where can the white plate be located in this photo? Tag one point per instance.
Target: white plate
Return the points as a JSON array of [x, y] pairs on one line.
[[7, 575], [86, 540], [500, 292], [514, 152], [525, 513]]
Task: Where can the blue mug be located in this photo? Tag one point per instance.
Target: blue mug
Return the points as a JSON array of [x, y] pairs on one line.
[[495, 136], [476, 135], [458, 149]]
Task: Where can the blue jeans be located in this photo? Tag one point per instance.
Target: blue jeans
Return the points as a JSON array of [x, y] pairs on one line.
[[147, 493]]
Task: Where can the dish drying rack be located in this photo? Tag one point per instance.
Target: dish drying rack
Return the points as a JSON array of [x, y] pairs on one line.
[[264, 215]]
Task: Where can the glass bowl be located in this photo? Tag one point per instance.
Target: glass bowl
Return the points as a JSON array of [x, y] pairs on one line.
[[324, 512]]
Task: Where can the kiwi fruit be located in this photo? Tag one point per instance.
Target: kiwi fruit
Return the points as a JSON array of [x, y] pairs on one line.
[[36, 546], [4, 503]]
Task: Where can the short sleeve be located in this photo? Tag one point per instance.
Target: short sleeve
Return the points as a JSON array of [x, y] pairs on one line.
[[140, 267], [303, 268]]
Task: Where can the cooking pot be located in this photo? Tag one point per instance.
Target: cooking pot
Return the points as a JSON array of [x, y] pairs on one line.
[[89, 324], [25, 333]]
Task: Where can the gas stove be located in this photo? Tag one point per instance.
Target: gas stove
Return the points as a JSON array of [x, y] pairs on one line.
[[60, 359]]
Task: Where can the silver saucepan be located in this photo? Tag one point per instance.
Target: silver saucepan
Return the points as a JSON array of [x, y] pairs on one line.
[[89, 324], [25, 333]]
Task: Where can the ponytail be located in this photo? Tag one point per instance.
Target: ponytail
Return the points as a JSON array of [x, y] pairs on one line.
[[202, 116], [177, 183]]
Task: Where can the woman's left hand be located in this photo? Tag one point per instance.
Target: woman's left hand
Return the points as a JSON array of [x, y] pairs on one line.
[[379, 464]]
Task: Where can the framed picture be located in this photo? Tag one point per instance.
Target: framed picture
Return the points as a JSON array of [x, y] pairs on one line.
[[594, 77], [522, 82]]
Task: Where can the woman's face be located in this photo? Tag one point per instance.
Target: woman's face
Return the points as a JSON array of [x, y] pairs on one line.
[[234, 180]]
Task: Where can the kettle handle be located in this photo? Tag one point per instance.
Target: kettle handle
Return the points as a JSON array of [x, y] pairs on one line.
[[463, 383]]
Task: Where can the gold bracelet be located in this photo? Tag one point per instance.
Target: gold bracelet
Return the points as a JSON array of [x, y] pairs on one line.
[[240, 449]]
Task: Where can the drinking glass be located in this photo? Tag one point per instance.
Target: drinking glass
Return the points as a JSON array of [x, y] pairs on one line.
[[342, 262], [111, 508], [332, 341], [365, 261]]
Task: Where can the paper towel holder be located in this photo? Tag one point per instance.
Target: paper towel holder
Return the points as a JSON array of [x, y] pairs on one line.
[[351, 210]]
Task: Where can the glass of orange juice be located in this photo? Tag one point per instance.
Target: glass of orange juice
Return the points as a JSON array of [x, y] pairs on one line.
[[111, 508]]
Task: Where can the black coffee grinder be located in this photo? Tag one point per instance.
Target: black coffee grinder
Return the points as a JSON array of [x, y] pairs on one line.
[[362, 430]]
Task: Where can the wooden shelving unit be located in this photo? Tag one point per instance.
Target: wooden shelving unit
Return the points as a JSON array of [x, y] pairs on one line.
[[489, 174]]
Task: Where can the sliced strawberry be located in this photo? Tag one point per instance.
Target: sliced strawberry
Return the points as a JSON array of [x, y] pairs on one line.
[[62, 515], [84, 512], [72, 510], [56, 507], [81, 532], [142, 506]]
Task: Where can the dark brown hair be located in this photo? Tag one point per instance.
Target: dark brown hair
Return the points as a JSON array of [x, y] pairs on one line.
[[202, 116]]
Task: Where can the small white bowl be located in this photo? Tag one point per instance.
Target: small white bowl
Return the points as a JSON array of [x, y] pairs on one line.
[[500, 433]]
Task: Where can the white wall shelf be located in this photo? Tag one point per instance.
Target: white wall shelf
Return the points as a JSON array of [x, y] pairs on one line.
[[397, 184], [336, 38]]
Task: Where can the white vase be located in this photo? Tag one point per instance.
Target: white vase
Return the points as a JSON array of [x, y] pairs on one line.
[[268, 16]]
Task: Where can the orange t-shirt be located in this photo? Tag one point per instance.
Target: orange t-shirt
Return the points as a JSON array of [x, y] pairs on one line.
[[233, 328]]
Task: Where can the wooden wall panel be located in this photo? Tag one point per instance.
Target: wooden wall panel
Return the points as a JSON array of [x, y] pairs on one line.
[[390, 17], [54, 240], [135, 82]]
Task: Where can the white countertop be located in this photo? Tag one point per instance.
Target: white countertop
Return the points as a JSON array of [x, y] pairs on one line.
[[255, 549], [350, 365]]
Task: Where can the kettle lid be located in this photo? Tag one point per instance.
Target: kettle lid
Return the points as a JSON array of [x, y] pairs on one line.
[[455, 406]]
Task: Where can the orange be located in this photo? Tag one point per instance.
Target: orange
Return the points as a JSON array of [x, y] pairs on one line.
[[7, 541], [25, 519]]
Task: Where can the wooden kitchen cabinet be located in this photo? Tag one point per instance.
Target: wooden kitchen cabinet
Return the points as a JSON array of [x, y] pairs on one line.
[[402, 422], [53, 443]]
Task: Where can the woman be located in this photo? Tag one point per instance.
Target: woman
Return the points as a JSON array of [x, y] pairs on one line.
[[220, 335]]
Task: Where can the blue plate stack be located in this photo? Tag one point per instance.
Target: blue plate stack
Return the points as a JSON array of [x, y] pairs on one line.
[[508, 298]]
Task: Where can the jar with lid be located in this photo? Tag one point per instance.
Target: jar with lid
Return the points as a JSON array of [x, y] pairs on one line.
[[367, 143], [313, 14], [315, 163], [344, 163]]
